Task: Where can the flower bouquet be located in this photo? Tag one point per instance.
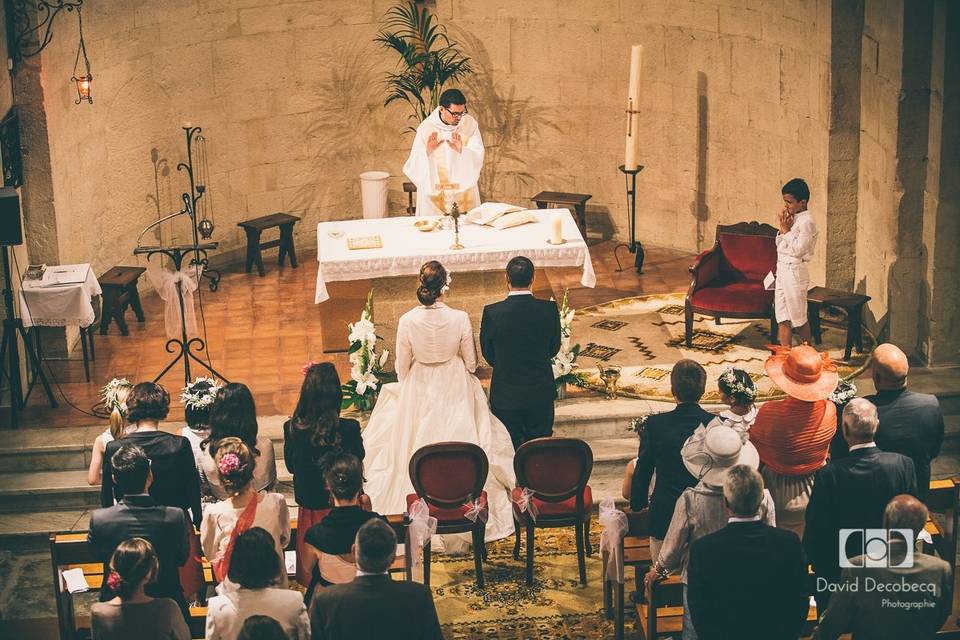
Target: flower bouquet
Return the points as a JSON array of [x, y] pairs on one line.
[[565, 361], [361, 389]]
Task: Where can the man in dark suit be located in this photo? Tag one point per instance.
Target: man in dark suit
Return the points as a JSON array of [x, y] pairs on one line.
[[138, 515], [893, 612], [373, 605], [518, 337], [852, 493], [660, 444], [747, 580]]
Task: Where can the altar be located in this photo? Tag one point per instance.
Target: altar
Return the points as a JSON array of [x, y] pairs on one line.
[[477, 270]]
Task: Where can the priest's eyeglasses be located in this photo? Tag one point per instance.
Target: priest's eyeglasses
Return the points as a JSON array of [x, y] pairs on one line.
[[456, 114]]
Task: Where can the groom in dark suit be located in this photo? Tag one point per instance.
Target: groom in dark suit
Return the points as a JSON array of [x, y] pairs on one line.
[[518, 337]]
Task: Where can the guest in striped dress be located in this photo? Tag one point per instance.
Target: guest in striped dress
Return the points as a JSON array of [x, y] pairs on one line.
[[793, 435]]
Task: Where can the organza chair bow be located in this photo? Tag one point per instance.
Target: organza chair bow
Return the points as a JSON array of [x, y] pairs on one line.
[[614, 523], [421, 528], [476, 509], [525, 503]]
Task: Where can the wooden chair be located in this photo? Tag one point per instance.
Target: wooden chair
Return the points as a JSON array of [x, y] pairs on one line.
[[636, 554], [554, 472], [727, 279], [449, 477], [943, 498]]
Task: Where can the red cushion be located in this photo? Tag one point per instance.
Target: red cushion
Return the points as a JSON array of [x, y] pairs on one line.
[[750, 256], [709, 267], [743, 296], [445, 515], [566, 508]]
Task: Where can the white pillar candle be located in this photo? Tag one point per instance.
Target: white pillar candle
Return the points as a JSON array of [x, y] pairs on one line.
[[557, 230], [187, 125], [633, 104]]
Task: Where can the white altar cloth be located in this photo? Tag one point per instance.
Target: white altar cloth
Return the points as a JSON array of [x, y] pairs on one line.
[[405, 249], [59, 305]]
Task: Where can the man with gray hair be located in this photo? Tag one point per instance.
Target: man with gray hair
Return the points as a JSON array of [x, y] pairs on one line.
[[373, 605], [852, 493], [909, 598], [748, 580]]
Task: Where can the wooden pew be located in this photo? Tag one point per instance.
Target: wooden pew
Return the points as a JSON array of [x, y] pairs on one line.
[[70, 551]]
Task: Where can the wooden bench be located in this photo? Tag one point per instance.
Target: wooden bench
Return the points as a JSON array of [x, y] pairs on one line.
[[852, 303], [257, 226], [71, 551], [577, 200], [410, 189], [119, 286]]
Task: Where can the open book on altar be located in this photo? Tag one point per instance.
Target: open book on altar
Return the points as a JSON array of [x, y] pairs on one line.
[[500, 215]]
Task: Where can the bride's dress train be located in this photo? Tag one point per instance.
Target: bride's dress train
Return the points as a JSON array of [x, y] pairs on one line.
[[437, 399]]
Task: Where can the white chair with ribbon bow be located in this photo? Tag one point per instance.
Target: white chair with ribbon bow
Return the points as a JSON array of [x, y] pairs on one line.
[[448, 478]]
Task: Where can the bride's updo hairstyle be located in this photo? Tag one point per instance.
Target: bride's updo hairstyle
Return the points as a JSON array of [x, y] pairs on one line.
[[433, 278]]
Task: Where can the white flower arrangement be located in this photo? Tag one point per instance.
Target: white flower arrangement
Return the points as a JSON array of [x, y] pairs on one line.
[[565, 361], [367, 365], [109, 393], [200, 393], [638, 424], [845, 392]]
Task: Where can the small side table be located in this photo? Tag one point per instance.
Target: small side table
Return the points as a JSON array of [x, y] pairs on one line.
[[256, 226], [577, 200], [119, 286], [852, 303]]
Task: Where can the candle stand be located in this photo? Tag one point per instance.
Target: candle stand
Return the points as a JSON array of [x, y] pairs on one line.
[[634, 246]]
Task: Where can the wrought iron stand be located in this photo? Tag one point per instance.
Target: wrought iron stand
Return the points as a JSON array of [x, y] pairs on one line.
[[634, 246]]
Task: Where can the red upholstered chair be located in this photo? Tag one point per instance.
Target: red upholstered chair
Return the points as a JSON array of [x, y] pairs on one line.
[[727, 280], [554, 471], [449, 477]]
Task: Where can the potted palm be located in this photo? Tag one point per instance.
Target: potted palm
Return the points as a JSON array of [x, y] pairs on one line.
[[428, 59]]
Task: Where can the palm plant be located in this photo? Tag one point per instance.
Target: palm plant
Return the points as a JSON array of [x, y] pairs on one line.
[[428, 58]]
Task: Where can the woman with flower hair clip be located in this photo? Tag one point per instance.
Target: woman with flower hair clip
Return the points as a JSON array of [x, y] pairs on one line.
[[737, 391], [115, 395], [197, 398], [132, 613], [243, 508]]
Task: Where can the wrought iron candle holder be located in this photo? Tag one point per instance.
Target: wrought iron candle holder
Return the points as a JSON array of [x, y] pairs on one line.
[[634, 246]]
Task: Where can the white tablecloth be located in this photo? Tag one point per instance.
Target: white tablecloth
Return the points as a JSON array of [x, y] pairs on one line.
[[405, 249], [59, 306]]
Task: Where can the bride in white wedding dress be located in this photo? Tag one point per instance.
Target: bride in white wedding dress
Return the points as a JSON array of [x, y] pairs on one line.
[[437, 399]]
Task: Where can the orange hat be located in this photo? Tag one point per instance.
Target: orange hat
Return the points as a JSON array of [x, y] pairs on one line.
[[802, 372]]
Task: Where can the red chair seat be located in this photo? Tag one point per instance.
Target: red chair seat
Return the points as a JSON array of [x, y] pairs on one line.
[[566, 508], [446, 515], [741, 296]]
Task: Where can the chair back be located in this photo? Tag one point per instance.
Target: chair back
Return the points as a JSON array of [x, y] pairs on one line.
[[555, 469], [748, 248], [449, 474], [336, 570]]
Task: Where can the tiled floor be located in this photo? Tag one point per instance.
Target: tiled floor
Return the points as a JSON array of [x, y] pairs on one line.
[[262, 330]]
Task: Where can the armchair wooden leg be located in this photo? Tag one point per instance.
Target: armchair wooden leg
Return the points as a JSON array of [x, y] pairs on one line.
[[426, 564], [581, 555], [530, 554], [607, 586], [478, 555], [516, 544]]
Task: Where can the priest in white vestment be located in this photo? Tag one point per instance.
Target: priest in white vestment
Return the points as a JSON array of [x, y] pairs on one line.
[[446, 158]]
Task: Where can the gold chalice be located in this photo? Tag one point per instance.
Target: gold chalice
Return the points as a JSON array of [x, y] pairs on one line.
[[610, 373]]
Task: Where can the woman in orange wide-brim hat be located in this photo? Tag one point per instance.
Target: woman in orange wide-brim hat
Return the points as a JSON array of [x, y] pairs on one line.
[[793, 435]]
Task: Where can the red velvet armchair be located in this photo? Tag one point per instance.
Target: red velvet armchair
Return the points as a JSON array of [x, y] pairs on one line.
[[727, 280]]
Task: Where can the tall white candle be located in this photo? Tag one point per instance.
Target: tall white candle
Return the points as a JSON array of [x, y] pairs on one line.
[[633, 105], [557, 230]]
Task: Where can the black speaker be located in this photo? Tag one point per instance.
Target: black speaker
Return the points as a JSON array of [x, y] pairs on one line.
[[10, 230]]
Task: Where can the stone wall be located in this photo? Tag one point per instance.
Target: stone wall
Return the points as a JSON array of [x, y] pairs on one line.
[[735, 101]]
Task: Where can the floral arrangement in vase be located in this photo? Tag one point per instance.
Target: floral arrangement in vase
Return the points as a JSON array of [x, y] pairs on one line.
[[361, 389], [565, 361]]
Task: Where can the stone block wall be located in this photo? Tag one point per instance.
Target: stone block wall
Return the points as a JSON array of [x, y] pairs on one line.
[[735, 101]]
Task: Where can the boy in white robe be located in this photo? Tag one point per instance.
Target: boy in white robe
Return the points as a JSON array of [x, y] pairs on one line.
[[795, 245], [446, 158]]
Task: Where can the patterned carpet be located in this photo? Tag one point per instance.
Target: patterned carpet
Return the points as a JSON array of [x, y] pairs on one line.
[[645, 336], [556, 606]]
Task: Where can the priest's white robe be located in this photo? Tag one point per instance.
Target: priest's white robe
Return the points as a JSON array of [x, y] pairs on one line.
[[446, 175]]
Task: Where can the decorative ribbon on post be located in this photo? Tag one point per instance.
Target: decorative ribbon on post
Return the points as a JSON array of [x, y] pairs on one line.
[[614, 523], [476, 509], [525, 503], [165, 282], [422, 526]]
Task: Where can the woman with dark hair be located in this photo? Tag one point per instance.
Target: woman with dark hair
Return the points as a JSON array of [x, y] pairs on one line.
[[438, 398], [251, 591], [132, 613], [198, 398], [234, 415], [245, 507], [312, 439], [737, 391], [328, 545], [261, 628]]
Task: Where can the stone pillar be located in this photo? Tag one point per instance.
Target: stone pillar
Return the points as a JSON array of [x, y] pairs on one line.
[[846, 46]]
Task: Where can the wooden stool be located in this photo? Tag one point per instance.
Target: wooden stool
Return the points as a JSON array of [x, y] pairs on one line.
[[852, 303], [410, 189], [577, 200], [119, 286], [256, 226]]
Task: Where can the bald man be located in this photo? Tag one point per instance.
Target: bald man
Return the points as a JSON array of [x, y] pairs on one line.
[[908, 601], [910, 423]]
